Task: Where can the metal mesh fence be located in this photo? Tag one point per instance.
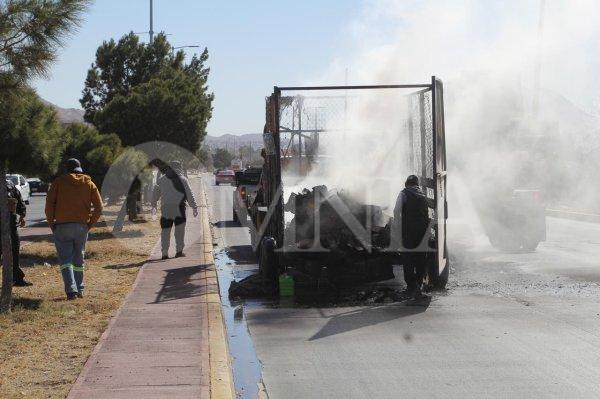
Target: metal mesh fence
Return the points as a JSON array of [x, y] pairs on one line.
[[396, 125]]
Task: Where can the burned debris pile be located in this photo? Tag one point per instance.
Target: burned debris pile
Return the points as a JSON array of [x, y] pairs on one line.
[[334, 239], [332, 242], [333, 220]]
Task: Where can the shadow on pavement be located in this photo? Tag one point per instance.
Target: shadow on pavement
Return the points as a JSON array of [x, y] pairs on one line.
[[242, 254], [181, 283], [364, 317]]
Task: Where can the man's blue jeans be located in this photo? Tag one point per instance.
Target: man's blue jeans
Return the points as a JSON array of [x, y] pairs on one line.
[[70, 240]]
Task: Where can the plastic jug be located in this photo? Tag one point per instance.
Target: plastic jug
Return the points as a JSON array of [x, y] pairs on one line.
[[286, 285]]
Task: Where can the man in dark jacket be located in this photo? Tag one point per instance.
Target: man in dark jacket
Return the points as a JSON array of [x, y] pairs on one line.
[[173, 191], [16, 207], [411, 221]]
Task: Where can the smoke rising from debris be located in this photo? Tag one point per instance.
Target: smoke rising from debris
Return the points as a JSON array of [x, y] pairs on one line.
[[487, 54]]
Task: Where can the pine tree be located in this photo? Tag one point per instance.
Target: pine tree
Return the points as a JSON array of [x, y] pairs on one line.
[[31, 32]]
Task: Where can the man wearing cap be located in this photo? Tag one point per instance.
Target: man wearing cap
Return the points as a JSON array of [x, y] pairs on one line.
[[411, 221], [173, 191], [73, 206], [16, 207]]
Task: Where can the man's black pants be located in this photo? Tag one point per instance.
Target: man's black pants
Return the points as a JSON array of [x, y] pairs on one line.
[[18, 274], [172, 216], [414, 264]]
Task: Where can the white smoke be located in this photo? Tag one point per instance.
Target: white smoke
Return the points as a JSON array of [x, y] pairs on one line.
[[486, 53]]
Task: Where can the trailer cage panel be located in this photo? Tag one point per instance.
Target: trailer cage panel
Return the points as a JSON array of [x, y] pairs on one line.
[[296, 117]]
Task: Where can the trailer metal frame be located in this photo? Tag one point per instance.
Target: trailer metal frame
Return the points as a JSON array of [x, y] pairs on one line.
[[428, 99]]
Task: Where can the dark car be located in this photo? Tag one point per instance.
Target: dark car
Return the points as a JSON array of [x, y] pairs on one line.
[[37, 186], [246, 183]]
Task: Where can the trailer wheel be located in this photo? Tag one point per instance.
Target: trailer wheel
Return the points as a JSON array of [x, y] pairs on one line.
[[440, 281], [530, 246], [514, 245], [436, 281], [267, 260]]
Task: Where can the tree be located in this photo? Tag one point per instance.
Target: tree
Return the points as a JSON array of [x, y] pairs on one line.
[[205, 159], [249, 155], [222, 158], [31, 31], [32, 139], [172, 107], [121, 66], [95, 151]]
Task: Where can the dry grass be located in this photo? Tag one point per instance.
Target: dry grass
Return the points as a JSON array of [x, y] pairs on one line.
[[46, 340]]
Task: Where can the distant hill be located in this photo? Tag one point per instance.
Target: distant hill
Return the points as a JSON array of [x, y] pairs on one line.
[[67, 116], [233, 142]]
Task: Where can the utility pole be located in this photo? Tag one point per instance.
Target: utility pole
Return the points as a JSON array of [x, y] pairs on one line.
[[151, 32]]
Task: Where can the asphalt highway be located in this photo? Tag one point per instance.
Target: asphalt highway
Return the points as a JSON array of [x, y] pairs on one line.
[[509, 326]]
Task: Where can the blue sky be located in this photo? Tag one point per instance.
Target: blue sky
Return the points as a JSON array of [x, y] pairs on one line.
[[253, 46], [257, 44]]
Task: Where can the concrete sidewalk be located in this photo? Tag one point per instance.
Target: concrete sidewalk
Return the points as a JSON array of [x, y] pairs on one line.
[[168, 339]]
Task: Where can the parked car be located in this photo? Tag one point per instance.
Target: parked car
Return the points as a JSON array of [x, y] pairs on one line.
[[37, 186], [225, 177], [20, 182]]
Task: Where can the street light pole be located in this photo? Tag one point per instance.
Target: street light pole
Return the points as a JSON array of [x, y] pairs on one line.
[[151, 32]]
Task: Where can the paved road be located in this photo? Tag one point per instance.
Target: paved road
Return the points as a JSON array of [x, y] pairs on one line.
[[35, 209], [510, 326]]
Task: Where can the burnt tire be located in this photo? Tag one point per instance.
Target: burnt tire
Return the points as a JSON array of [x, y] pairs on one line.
[[530, 246], [436, 280], [267, 260], [514, 245], [440, 281]]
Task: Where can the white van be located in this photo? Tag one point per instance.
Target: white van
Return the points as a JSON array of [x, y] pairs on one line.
[[21, 183]]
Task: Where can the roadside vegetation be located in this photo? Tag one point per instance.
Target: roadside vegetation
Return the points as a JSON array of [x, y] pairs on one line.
[[45, 340], [164, 98]]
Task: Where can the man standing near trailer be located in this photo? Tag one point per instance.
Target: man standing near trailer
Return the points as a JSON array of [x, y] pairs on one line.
[[411, 221]]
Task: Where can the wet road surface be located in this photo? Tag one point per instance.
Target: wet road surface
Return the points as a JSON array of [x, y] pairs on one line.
[[510, 325]]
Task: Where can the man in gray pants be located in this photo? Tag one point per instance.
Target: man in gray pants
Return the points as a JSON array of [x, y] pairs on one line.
[[173, 190]]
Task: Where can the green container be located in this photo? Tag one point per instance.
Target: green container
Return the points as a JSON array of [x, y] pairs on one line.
[[286, 285]]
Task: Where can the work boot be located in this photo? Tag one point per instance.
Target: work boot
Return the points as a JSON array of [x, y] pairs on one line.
[[80, 295], [407, 293], [417, 293], [71, 296], [179, 255], [22, 283], [164, 257]]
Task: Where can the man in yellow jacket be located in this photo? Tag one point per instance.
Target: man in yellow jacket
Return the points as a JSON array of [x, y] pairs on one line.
[[73, 205]]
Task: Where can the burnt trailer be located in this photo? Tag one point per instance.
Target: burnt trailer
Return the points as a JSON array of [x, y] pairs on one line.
[[405, 120]]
